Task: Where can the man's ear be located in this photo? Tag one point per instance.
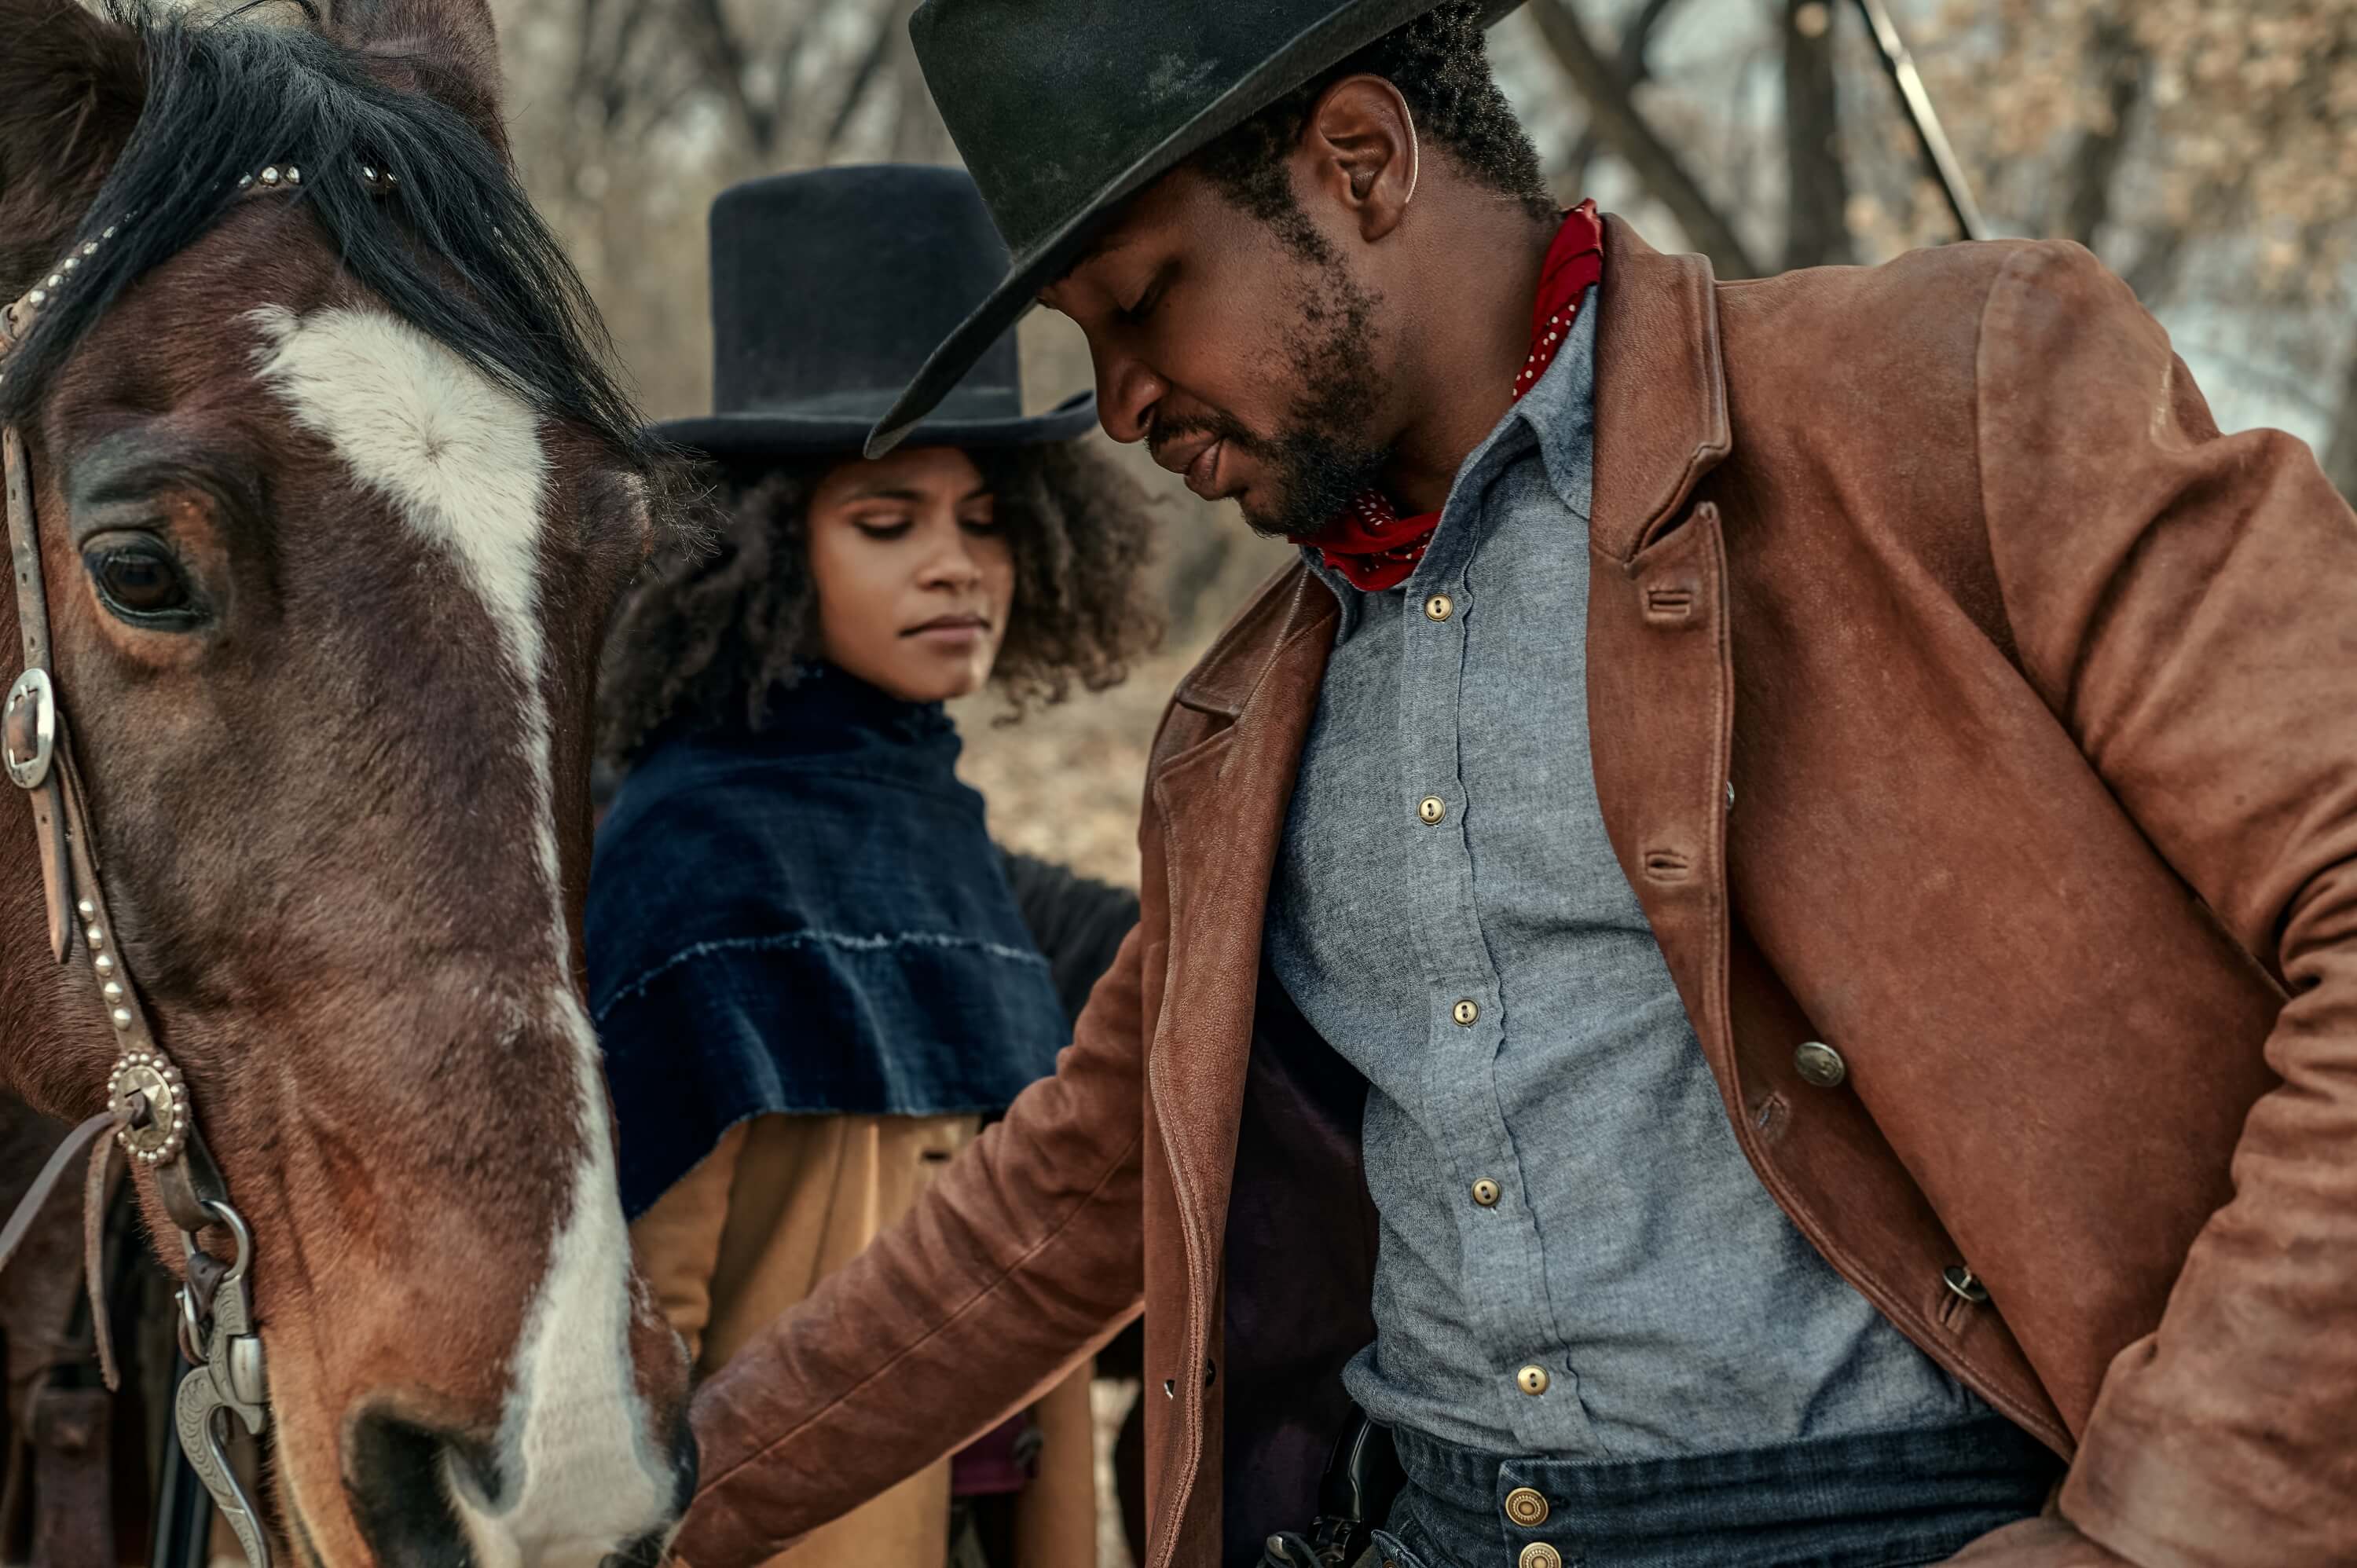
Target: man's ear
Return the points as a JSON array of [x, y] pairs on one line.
[[1361, 147], [70, 89], [448, 50]]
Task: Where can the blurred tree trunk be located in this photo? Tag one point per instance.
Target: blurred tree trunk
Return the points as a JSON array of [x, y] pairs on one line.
[[2341, 445], [1816, 229], [2096, 165], [1613, 112]]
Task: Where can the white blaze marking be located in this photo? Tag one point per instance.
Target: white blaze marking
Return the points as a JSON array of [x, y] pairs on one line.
[[460, 456]]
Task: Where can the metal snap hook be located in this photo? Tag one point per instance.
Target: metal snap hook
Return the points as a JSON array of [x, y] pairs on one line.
[[238, 1231]]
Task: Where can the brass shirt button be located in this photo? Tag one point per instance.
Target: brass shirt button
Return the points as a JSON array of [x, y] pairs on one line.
[[1539, 1554], [1532, 1381], [1485, 1193], [1526, 1507], [1820, 1064], [1432, 808], [1440, 606], [1466, 1012]]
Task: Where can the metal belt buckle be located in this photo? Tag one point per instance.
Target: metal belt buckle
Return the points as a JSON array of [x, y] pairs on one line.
[[28, 730]]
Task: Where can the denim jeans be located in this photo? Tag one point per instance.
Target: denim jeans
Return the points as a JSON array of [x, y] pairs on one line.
[[1892, 1499]]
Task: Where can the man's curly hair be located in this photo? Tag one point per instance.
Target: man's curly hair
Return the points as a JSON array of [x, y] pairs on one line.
[[1440, 63], [722, 618]]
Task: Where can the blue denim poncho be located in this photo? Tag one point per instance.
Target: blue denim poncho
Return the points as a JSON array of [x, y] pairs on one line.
[[807, 920]]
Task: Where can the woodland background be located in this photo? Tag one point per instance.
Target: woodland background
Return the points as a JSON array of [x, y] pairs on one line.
[[2206, 149]]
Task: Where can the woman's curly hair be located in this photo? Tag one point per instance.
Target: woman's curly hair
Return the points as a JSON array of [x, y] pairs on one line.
[[723, 618]]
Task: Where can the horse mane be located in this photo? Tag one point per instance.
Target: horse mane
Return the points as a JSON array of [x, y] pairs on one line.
[[453, 247]]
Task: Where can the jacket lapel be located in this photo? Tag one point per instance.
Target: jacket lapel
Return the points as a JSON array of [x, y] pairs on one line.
[[1660, 669], [1223, 800]]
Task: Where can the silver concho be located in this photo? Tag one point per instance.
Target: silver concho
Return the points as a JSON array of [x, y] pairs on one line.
[[159, 1134]]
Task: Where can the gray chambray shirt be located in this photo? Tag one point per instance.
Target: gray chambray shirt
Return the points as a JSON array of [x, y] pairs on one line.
[[1576, 1261]]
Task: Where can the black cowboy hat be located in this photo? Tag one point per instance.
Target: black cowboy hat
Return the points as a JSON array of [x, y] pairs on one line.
[[1064, 109], [828, 289]]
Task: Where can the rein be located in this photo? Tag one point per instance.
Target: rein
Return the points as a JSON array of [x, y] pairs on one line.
[[148, 1103]]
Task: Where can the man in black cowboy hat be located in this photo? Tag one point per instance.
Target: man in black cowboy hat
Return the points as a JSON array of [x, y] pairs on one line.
[[1756, 949]]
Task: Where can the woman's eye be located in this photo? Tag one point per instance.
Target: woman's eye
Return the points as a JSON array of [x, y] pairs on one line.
[[142, 583], [883, 527], [984, 523]]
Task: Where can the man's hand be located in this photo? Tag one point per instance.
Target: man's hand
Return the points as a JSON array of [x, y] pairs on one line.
[[2044, 1542]]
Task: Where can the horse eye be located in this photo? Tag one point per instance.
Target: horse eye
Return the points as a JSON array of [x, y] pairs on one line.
[[142, 583]]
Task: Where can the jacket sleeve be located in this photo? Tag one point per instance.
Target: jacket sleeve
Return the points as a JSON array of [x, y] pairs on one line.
[[1021, 1260], [2186, 603]]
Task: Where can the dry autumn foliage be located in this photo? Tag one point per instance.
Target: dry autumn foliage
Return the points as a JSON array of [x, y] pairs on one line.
[[2207, 149]]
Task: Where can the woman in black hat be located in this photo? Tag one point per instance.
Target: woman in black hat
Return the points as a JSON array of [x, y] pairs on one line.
[[810, 967]]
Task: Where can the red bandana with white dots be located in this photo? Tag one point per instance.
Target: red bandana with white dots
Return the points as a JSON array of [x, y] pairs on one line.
[[1371, 545]]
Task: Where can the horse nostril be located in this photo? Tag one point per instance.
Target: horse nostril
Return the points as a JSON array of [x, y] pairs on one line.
[[394, 1473]]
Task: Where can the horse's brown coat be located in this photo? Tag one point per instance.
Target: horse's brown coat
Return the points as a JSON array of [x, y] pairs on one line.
[[315, 815]]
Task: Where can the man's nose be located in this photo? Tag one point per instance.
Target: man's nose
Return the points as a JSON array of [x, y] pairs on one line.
[[1127, 394]]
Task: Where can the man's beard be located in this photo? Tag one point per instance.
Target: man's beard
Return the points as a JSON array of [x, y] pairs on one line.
[[1322, 459]]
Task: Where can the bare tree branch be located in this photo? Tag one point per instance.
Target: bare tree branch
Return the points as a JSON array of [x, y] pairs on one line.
[[727, 60], [871, 66], [1614, 114], [1817, 207], [1636, 66]]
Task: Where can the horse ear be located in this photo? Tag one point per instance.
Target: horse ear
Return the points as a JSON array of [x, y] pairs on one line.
[[71, 92], [447, 50]]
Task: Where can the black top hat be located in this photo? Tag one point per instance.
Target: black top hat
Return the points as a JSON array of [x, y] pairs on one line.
[[828, 289], [1063, 109]]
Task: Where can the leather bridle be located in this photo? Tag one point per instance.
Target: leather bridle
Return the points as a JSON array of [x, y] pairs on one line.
[[149, 1107]]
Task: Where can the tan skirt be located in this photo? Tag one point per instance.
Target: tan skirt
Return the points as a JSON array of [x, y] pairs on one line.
[[780, 1204]]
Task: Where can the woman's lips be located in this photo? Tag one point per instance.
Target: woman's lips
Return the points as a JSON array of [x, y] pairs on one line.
[[956, 632], [1202, 475]]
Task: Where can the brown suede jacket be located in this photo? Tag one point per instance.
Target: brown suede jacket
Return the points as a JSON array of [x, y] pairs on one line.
[[1960, 698]]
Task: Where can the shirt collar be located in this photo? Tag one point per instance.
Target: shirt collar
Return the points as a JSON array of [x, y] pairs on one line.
[[1559, 414]]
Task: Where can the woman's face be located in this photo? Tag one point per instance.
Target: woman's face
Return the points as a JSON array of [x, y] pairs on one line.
[[915, 578]]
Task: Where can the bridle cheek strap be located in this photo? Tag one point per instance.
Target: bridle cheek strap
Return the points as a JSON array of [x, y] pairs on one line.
[[29, 724], [148, 1103]]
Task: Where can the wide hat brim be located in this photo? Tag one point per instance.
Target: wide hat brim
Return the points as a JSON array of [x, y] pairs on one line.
[[755, 434], [1334, 37]]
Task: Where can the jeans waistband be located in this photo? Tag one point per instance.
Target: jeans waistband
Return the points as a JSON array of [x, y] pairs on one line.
[[1835, 1499]]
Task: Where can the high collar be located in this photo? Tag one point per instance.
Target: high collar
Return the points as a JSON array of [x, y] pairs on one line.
[[828, 708]]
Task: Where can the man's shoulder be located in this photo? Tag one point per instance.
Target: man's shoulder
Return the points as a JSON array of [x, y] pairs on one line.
[[1913, 300], [1903, 339]]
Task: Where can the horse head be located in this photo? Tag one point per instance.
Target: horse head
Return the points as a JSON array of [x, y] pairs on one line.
[[333, 494]]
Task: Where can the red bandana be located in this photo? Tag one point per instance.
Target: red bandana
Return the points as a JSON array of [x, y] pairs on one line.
[[1371, 545]]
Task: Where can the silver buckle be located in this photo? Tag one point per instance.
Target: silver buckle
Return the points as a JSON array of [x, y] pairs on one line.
[[29, 771]]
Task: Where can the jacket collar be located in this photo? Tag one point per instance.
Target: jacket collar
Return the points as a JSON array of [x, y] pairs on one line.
[[1661, 426], [1660, 389], [1240, 657]]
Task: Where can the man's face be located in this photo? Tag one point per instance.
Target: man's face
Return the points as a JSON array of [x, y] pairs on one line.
[[1250, 361]]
